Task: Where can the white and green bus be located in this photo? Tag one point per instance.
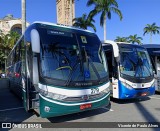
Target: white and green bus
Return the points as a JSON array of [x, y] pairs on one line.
[[59, 70]]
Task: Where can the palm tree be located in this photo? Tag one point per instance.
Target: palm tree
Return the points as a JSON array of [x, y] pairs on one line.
[[84, 22], [151, 29], [1, 38], [13, 37], [105, 7], [4, 48], [121, 39], [135, 39], [6, 44], [0, 32]]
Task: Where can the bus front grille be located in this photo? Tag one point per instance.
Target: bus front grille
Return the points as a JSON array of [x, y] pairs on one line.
[[81, 98]]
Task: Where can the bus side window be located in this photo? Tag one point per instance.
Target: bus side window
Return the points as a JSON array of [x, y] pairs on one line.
[[115, 69], [153, 64], [17, 61], [17, 53]]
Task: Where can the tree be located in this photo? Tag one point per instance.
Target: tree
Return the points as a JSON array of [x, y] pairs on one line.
[[84, 22], [135, 39], [6, 44], [4, 49], [121, 39], [151, 29], [0, 38], [105, 7], [13, 37], [1, 50]]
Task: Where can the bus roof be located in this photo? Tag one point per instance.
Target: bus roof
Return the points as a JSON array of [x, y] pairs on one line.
[[110, 41], [153, 49], [120, 44], [51, 24], [151, 45], [61, 25], [123, 43]]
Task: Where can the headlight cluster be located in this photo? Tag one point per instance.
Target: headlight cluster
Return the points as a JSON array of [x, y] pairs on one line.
[[153, 85], [127, 85], [56, 96], [43, 90], [106, 90]]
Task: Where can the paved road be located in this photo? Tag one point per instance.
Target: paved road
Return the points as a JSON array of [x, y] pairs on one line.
[[137, 110]]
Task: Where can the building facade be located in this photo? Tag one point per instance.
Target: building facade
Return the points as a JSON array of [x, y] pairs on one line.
[[65, 11], [9, 23]]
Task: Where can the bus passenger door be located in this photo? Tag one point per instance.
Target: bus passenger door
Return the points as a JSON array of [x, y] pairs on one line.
[[26, 73], [31, 95], [113, 71], [115, 88], [24, 92], [157, 84]]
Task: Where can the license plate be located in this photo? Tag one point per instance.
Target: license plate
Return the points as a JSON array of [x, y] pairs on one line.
[[85, 106], [144, 94]]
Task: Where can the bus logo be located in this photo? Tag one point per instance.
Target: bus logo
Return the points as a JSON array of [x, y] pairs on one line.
[[6, 125], [85, 97]]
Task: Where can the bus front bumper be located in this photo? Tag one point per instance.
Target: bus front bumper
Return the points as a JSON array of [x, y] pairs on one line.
[[50, 108], [125, 93]]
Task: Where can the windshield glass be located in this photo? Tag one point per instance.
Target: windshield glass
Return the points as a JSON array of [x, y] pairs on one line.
[[71, 56], [135, 62]]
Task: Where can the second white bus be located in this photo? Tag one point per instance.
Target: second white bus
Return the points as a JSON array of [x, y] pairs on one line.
[[130, 70]]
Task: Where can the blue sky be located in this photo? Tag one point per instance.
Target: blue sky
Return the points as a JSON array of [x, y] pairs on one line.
[[136, 14]]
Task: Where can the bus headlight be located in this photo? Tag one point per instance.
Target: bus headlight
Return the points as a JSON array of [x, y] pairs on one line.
[[43, 90], [56, 96], [106, 90], [127, 85]]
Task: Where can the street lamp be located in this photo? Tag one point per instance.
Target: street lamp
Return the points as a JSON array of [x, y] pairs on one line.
[[23, 16]]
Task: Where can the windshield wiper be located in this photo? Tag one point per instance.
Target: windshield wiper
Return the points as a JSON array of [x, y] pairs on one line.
[[95, 70], [142, 66], [72, 71], [140, 73], [138, 66], [89, 61]]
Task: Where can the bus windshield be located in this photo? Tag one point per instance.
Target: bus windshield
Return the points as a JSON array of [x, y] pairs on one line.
[[135, 62], [72, 57]]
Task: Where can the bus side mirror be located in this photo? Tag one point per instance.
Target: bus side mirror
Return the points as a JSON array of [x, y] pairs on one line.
[[35, 41], [35, 71]]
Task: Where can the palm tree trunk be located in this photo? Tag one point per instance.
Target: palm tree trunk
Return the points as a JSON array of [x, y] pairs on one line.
[[104, 28], [23, 16], [151, 38]]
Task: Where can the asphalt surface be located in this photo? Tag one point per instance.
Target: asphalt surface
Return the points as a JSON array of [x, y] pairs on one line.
[[133, 111]]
